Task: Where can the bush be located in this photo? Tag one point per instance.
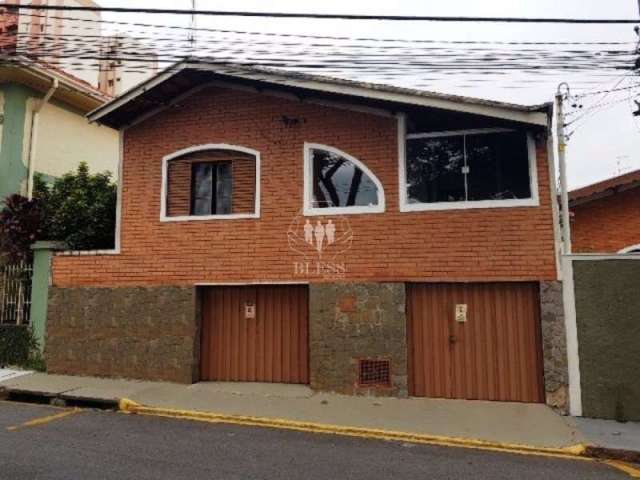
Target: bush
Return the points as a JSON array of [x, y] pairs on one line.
[[81, 209], [18, 347]]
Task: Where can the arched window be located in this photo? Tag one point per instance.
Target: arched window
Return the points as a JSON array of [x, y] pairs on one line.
[[335, 183], [213, 181], [631, 249]]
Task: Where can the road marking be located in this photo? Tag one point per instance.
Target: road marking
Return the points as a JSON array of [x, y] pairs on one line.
[[44, 420], [631, 470], [34, 405]]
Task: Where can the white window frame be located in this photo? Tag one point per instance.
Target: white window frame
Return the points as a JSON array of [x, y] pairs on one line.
[[201, 148], [310, 210], [405, 206], [630, 249]]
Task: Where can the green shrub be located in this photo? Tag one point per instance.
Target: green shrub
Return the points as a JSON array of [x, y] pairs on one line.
[[81, 209], [18, 347], [78, 210]]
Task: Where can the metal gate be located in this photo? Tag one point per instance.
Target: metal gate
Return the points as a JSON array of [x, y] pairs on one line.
[[475, 341], [255, 334], [15, 293]]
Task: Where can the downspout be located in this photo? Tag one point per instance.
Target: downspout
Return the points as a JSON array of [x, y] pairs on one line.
[[33, 135]]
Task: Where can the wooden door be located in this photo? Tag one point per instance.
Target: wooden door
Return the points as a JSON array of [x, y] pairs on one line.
[[496, 354], [255, 334]]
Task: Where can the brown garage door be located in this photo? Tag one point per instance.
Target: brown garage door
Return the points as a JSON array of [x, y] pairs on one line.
[[255, 334], [495, 354]]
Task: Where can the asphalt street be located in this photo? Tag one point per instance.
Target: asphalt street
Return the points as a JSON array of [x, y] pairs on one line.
[[42, 442]]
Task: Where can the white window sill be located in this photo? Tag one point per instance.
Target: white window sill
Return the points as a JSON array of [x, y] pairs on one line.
[[319, 212], [86, 253], [422, 207], [200, 218]]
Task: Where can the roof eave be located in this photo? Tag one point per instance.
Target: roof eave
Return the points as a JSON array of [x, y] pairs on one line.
[[77, 96], [534, 115]]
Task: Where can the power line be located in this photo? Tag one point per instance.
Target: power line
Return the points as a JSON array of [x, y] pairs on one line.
[[323, 37], [327, 16], [162, 42], [598, 92]]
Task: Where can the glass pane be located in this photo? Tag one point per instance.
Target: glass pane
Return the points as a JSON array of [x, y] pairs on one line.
[[202, 191], [434, 169], [498, 166], [224, 187], [338, 182]]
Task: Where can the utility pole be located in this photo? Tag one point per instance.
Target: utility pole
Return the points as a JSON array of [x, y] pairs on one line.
[[564, 193]]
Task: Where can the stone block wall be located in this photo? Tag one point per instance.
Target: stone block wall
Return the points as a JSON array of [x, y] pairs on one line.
[[554, 346], [348, 322], [143, 333]]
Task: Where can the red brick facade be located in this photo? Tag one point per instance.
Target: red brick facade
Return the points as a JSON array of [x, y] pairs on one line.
[[608, 224], [451, 245]]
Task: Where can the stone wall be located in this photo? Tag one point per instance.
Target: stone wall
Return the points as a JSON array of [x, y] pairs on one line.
[[608, 321], [554, 346], [348, 322], [145, 333]]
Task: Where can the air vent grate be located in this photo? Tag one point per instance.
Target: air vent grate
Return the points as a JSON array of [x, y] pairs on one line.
[[374, 373]]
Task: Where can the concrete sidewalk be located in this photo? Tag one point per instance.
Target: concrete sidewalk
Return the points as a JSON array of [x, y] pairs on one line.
[[505, 423]]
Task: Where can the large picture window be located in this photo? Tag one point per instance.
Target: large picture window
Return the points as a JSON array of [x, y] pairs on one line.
[[336, 182], [481, 168], [211, 182]]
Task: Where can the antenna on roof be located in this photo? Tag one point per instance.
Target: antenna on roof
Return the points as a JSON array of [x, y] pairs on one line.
[[192, 30]]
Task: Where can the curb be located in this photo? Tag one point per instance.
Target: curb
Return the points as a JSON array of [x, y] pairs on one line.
[[588, 453], [573, 452], [604, 453]]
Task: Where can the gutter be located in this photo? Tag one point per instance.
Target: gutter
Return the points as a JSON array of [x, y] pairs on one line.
[[33, 135]]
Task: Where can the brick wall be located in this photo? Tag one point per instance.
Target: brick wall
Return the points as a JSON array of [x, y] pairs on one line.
[[451, 245], [607, 225], [243, 168]]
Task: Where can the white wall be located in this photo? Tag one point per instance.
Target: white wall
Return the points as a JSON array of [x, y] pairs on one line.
[[64, 139]]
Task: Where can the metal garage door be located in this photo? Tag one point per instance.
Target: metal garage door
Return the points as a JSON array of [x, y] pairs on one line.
[[255, 334], [475, 341]]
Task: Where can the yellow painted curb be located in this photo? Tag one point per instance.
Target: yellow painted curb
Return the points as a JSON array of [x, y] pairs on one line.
[[573, 452], [631, 470]]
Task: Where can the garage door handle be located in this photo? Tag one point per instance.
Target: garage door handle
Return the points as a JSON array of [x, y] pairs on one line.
[[452, 339]]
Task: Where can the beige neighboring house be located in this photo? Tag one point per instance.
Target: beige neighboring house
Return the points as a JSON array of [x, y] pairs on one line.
[[43, 128]]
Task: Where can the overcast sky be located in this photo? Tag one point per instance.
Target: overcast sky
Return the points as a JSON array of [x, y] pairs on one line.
[[605, 143]]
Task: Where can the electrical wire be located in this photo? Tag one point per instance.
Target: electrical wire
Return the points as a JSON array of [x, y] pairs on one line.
[[433, 57], [324, 37], [327, 16]]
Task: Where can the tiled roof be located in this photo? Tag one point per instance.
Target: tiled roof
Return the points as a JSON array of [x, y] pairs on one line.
[[611, 184]]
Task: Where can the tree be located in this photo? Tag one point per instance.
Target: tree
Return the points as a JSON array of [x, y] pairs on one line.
[[22, 222], [81, 209]]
